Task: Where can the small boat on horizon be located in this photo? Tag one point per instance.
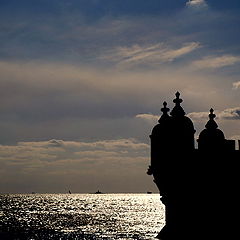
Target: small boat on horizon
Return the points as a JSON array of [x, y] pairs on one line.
[[149, 192], [98, 192]]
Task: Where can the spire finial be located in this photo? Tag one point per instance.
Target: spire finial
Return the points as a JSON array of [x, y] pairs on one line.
[[177, 110], [165, 111], [211, 124], [177, 100], [211, 115]]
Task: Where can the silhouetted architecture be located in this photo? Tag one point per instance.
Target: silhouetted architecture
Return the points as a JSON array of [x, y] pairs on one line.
[[199, 187]]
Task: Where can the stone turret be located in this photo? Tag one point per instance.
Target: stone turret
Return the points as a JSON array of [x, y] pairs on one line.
[[211, 138], [197, 186], [160, 145], [161, 136], [182, 127]]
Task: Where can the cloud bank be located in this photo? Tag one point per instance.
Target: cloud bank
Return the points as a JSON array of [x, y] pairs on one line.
[[85, 166]]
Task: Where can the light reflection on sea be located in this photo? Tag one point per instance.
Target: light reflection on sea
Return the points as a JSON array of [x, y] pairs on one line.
[[80, 216]]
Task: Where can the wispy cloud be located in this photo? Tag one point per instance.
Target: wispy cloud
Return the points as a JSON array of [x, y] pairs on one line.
[[229, 113], [236, 85], [211, 62], [151, 54], [197, 4], [198, 115], [148, 117]]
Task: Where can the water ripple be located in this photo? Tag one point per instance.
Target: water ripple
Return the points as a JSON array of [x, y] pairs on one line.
[[80, 216]]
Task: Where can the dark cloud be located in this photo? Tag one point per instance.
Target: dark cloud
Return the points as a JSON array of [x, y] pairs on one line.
[[93, 8], [99, 8], [58, 30]]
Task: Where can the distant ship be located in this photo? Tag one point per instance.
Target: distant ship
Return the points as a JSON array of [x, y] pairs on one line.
[[149, 192], [69, 192], [98, 192]]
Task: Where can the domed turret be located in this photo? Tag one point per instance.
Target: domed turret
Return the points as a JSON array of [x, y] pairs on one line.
[[160, 138], [211, 138], [182, 127], [163, 123]]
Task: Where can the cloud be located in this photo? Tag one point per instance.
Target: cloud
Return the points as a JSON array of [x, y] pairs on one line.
[[45, 100], [211, 62], [74, 162], [228, 114], [148, 117], [236, 85], [151, 54], [198, 115], [73, 146], [197, 4]]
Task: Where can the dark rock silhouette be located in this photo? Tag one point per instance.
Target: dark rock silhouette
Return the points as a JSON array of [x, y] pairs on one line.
[[199, 187]]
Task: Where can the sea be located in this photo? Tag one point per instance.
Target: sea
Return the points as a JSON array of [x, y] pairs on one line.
[[80, 216]]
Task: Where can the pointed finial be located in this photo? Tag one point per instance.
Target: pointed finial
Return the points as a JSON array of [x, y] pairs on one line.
[[177, 110], [211, 115], [211, 124], [177, 100], [165, 111]]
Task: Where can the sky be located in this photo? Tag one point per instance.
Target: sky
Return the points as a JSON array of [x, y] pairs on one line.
[[82, 83]]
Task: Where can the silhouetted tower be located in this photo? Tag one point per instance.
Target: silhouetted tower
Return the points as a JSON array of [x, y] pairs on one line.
[[160, 137], [160, 144], [192, 181], [172, 145]]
